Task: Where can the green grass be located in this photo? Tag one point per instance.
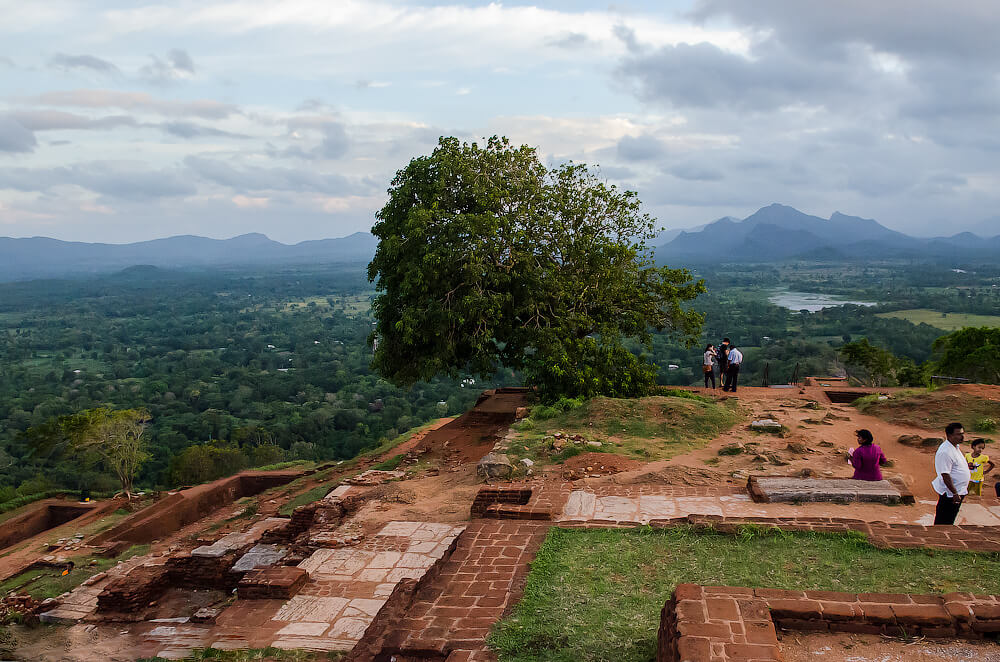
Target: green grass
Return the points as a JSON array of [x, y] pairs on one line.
[[315, 494], [247, 655], [391, 464], [930, 409], [652, 428], [596, 594], [943, 321], [41, 583]]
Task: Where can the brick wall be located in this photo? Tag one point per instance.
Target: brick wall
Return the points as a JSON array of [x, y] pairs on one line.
[[716, 623]]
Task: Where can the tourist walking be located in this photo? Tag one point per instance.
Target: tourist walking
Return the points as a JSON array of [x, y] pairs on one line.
[[735, 360], [708, 365], [722, 357], [953, 475], [867, 458]]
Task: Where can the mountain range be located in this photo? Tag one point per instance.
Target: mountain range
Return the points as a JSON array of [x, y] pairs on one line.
[[773, 233], [778, 232], [39, 257]]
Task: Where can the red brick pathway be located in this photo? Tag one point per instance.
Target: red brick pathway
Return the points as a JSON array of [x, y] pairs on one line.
[[483, 578]]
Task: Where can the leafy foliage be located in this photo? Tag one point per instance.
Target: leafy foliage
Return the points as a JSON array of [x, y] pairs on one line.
[[972, 353], [115, 438], [878, 366], [487, 258]]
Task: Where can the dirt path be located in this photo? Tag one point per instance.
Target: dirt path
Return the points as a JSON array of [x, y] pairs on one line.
[[818, 436]]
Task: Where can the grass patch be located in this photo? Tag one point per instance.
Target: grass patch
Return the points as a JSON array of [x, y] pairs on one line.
[[596, 594], [41, 583], [391, 464], [249, 654], [315, 494], [929, 409], [652, 428], [943, 321], [298, 464]]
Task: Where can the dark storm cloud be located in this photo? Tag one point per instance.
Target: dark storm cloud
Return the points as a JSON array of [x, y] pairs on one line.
[[125, 180], [964, 30], [15, 137], [86, 62], [249, 179], [703, 75]]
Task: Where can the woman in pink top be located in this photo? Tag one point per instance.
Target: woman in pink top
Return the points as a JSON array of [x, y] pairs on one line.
[[866, 458]]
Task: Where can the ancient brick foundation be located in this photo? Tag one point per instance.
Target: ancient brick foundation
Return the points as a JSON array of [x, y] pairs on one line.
[[42, 518], [132, 593], [716, 623], [187, 506], [497, 496], [274, 583]]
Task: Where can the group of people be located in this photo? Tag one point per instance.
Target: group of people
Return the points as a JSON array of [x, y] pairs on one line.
[[729, 359], [958, 474]]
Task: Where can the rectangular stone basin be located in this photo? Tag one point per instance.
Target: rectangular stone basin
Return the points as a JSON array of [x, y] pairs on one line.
[[784, 489]]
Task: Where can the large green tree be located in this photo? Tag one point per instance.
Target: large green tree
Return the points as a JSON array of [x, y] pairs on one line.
[[487, 258], [111, 437], [972, 353]]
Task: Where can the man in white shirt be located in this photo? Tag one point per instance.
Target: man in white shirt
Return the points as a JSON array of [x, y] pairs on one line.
[[953, 475], [733, 369]]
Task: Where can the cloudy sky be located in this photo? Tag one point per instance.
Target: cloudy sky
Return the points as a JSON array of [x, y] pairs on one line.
[[122, 120]]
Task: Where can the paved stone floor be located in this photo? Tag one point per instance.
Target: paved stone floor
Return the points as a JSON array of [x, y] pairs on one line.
[[345, 590], [584, 505]]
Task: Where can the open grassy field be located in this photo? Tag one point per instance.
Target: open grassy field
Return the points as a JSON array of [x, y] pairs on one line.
[[944, 321], [596, 594], [349, 304], [652, 428]]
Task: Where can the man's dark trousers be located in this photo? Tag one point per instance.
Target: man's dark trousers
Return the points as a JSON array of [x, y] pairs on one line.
[[947, 510], [733, 374]]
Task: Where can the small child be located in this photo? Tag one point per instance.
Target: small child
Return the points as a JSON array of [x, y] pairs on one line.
[[979, 465]]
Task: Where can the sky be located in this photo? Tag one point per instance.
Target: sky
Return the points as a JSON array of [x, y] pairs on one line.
[[124, 121]]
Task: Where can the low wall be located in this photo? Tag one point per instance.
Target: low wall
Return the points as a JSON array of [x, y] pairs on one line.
[[736, 623], [45, 516], [187, 506]]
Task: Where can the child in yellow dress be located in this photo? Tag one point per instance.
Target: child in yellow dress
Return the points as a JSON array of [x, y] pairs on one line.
[[979, 465]]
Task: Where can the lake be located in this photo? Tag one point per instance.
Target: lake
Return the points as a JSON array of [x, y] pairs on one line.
[[810, 301]]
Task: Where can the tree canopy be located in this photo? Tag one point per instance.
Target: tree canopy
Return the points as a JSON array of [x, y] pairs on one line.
[[972, 353], [115, 438], [487, 258]]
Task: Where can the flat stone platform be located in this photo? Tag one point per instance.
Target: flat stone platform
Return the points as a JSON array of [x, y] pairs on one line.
[[777, 489]]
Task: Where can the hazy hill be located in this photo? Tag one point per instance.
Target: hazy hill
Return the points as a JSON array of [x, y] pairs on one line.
[[778, 232], [37, 257]]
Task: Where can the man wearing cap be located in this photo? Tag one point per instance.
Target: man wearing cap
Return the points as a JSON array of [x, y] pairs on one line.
[[953, 475]]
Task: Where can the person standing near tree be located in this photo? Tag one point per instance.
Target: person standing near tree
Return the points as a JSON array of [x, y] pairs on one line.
[[735, 360], [708, 365], [953, 475], [722, 357]]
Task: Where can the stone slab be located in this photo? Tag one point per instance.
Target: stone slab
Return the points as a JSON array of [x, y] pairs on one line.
[[260, 556], [774, 489]]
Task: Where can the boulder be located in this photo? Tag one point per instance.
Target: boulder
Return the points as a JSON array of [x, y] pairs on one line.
[[918, 441], [766, 425], [494, 466], [731, 449]]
